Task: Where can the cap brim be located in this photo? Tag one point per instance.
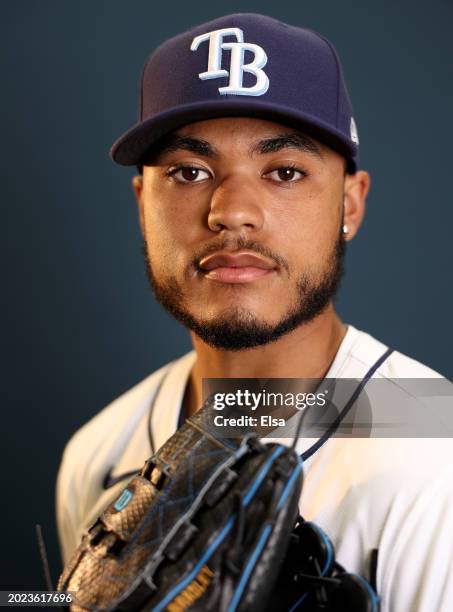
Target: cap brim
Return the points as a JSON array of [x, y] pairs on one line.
[[131, 148]]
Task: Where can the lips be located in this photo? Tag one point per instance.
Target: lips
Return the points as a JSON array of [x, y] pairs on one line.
[[235, 260], [239, 267]]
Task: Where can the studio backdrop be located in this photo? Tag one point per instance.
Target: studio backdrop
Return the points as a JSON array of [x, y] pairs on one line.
[[80, 324]]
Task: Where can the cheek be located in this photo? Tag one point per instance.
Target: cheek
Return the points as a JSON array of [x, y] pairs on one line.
[[309, 223], [171, 228]]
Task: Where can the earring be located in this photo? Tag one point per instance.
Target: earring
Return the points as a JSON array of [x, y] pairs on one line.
[[345, 229]]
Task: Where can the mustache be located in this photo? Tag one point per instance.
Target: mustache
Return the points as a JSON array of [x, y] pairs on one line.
[[235, 244]]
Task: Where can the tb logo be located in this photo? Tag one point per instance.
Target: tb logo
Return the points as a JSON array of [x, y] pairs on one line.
[[237, 66]]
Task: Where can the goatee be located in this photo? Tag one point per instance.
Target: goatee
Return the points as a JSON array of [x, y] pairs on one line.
[[239, 328]]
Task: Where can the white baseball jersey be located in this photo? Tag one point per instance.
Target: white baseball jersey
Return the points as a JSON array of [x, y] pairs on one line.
[[392, 494]]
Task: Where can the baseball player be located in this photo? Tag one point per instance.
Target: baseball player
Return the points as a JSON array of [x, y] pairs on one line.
[[248, 190]]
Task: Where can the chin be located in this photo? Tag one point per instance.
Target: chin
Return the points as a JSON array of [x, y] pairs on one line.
[[236, 316]]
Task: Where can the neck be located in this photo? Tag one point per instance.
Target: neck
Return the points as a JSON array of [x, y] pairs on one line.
[[306, 352]]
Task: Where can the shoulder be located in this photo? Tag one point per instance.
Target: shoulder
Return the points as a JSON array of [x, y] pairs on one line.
[[95, 447], [384, 492], [364, 350]]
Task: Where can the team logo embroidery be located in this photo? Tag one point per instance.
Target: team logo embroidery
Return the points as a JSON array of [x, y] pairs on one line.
[[237, 66]]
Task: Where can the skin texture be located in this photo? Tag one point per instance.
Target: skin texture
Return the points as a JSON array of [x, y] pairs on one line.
[[284, 203]]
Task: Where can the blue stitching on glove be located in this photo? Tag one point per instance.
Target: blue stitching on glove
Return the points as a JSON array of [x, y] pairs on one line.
[[210, 551]]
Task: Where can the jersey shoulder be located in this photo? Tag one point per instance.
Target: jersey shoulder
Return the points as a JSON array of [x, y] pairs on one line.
[[365, 350], [94, 448]]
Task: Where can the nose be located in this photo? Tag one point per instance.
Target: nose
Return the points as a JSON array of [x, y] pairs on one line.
[[235, 206]]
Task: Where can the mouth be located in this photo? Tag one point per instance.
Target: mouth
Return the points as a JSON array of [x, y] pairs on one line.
[[238, 267]]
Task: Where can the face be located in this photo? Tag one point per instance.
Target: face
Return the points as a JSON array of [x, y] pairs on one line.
[[241, 220]]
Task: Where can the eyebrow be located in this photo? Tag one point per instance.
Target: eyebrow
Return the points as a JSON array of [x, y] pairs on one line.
[[272, 144], [174, 142], [290, 140]]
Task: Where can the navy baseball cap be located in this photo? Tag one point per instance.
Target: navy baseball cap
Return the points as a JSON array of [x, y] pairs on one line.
[[243, 65]]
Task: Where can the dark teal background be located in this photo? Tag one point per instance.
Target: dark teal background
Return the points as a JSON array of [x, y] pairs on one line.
[[80, 325]]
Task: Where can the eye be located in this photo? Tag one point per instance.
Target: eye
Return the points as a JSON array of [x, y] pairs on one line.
[[286, 174], [188, 174]]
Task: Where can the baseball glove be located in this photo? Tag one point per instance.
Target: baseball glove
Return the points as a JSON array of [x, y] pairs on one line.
[[204, 526], [211, 524]]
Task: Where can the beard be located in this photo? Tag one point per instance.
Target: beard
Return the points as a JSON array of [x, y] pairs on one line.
[[240, 328]]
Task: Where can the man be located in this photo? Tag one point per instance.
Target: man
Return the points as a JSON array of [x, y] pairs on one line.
[[249, 190]]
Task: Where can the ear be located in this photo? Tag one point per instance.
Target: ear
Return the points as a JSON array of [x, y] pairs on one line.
[[137, 185], [356, 187]]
